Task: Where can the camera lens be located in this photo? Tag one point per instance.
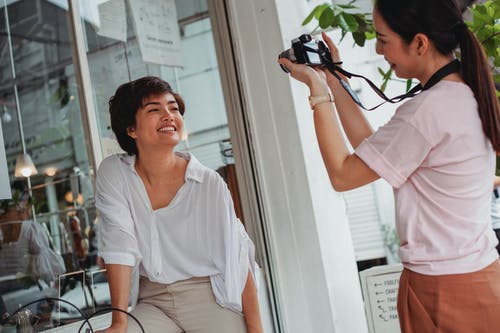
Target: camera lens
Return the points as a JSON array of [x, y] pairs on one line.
[[287, 54]]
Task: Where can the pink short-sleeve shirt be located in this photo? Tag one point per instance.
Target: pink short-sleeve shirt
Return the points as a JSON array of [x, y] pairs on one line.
[[434, 153]]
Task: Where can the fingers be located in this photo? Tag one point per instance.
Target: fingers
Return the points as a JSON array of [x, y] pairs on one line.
[[329, 41], [286, 63], [321, 72], [334, 51]]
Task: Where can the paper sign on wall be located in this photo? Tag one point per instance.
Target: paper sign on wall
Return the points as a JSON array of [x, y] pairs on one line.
[[4, 173], [157, 31], [380, 291], [113, 20]]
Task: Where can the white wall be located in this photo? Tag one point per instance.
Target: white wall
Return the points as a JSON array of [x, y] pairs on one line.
[[311, 249]]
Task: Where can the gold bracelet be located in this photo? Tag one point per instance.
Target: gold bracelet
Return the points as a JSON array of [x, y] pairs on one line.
[[315, 100]]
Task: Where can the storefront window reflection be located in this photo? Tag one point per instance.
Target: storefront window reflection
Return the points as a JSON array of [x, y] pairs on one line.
[[47, 227], [52, 215], [140, 43]]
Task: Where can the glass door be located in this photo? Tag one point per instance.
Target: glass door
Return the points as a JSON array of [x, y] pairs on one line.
[[174, 40], [46, 229]]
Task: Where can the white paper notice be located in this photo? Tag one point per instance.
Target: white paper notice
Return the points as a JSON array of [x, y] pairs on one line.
[[383, 301], [157, 31], [4, 173], [380, 291], [113, 20]]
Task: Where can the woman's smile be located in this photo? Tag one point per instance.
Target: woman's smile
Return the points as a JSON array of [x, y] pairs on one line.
[[167, 129]]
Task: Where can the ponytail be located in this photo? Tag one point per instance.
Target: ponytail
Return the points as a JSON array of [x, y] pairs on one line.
[[442, 22], [477, 75]]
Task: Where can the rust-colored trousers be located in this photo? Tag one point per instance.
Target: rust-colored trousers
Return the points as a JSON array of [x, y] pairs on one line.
[[456, 303]]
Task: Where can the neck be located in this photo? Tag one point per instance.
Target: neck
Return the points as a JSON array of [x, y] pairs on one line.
[[156, 166], [435, 63]]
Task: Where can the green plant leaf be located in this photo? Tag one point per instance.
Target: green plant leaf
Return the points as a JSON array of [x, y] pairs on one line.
[[347, 22], [319, 10], [480, 15], [359, 38], [347, 6], [327, 18], [496, 63], [370, 35], [484, 23], [384, 85], [316, 13], [362, 21], [308, 18], [409, 82], [342, 35], [389, 73]]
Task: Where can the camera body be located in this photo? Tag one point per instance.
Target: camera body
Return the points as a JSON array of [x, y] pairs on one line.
[[306, 50]]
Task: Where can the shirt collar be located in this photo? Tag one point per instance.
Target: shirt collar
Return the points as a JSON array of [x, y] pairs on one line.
[[194, 168]]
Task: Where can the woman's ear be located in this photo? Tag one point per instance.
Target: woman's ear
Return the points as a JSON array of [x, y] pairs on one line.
[[131, 132], [421, 43]]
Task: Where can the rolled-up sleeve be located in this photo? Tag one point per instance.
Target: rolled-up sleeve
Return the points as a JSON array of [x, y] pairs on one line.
[[233, 254], [116, 232]]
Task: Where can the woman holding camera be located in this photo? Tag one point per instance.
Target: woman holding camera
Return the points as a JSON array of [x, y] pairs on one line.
[[437, 151], [165, 214]]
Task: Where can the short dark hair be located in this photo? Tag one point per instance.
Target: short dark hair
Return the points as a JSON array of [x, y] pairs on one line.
[[128, 99]]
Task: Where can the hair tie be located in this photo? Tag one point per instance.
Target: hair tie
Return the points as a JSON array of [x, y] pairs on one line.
[[460, 28]]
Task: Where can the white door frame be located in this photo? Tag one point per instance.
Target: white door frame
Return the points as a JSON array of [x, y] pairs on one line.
[[296, 219]]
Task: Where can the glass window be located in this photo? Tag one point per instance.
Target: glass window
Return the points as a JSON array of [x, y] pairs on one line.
[[190, 64], [46, 229], [47, 235]]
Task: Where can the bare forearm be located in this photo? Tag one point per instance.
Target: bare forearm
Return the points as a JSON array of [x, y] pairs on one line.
[[346, 171], [331, 142], [119, 288], [250, 306], [353, 121]]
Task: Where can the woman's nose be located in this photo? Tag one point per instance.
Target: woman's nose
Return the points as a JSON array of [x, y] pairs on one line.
[[167, 115], [378, 48]]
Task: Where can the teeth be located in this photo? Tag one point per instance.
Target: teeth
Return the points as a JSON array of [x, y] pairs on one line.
[[167, 129]]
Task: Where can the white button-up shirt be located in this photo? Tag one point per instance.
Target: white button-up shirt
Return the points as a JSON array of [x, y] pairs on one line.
[[197, 234]]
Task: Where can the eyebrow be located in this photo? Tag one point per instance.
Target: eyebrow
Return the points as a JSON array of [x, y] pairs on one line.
[[158, 103], [379, 34]]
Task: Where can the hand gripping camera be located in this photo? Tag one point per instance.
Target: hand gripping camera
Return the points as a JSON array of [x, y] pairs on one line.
[[307, 50]]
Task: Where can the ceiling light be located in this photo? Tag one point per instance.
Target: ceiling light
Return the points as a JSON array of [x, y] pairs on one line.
[[24, 166]]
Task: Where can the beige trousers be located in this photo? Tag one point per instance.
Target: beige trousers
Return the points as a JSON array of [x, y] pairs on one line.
[[186, 306]]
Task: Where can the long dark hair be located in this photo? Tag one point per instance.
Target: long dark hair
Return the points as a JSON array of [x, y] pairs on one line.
[[442, 22]]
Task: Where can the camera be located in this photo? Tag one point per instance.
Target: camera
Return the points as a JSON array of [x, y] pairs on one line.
[[306, 50]]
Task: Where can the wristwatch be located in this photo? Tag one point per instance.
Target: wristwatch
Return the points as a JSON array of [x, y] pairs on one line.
[[315, 100]]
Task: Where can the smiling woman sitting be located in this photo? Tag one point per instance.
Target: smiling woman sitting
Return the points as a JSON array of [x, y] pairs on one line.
[[171, 220]]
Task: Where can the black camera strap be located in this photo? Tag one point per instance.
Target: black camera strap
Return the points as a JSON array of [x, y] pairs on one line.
[[452, 67]]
